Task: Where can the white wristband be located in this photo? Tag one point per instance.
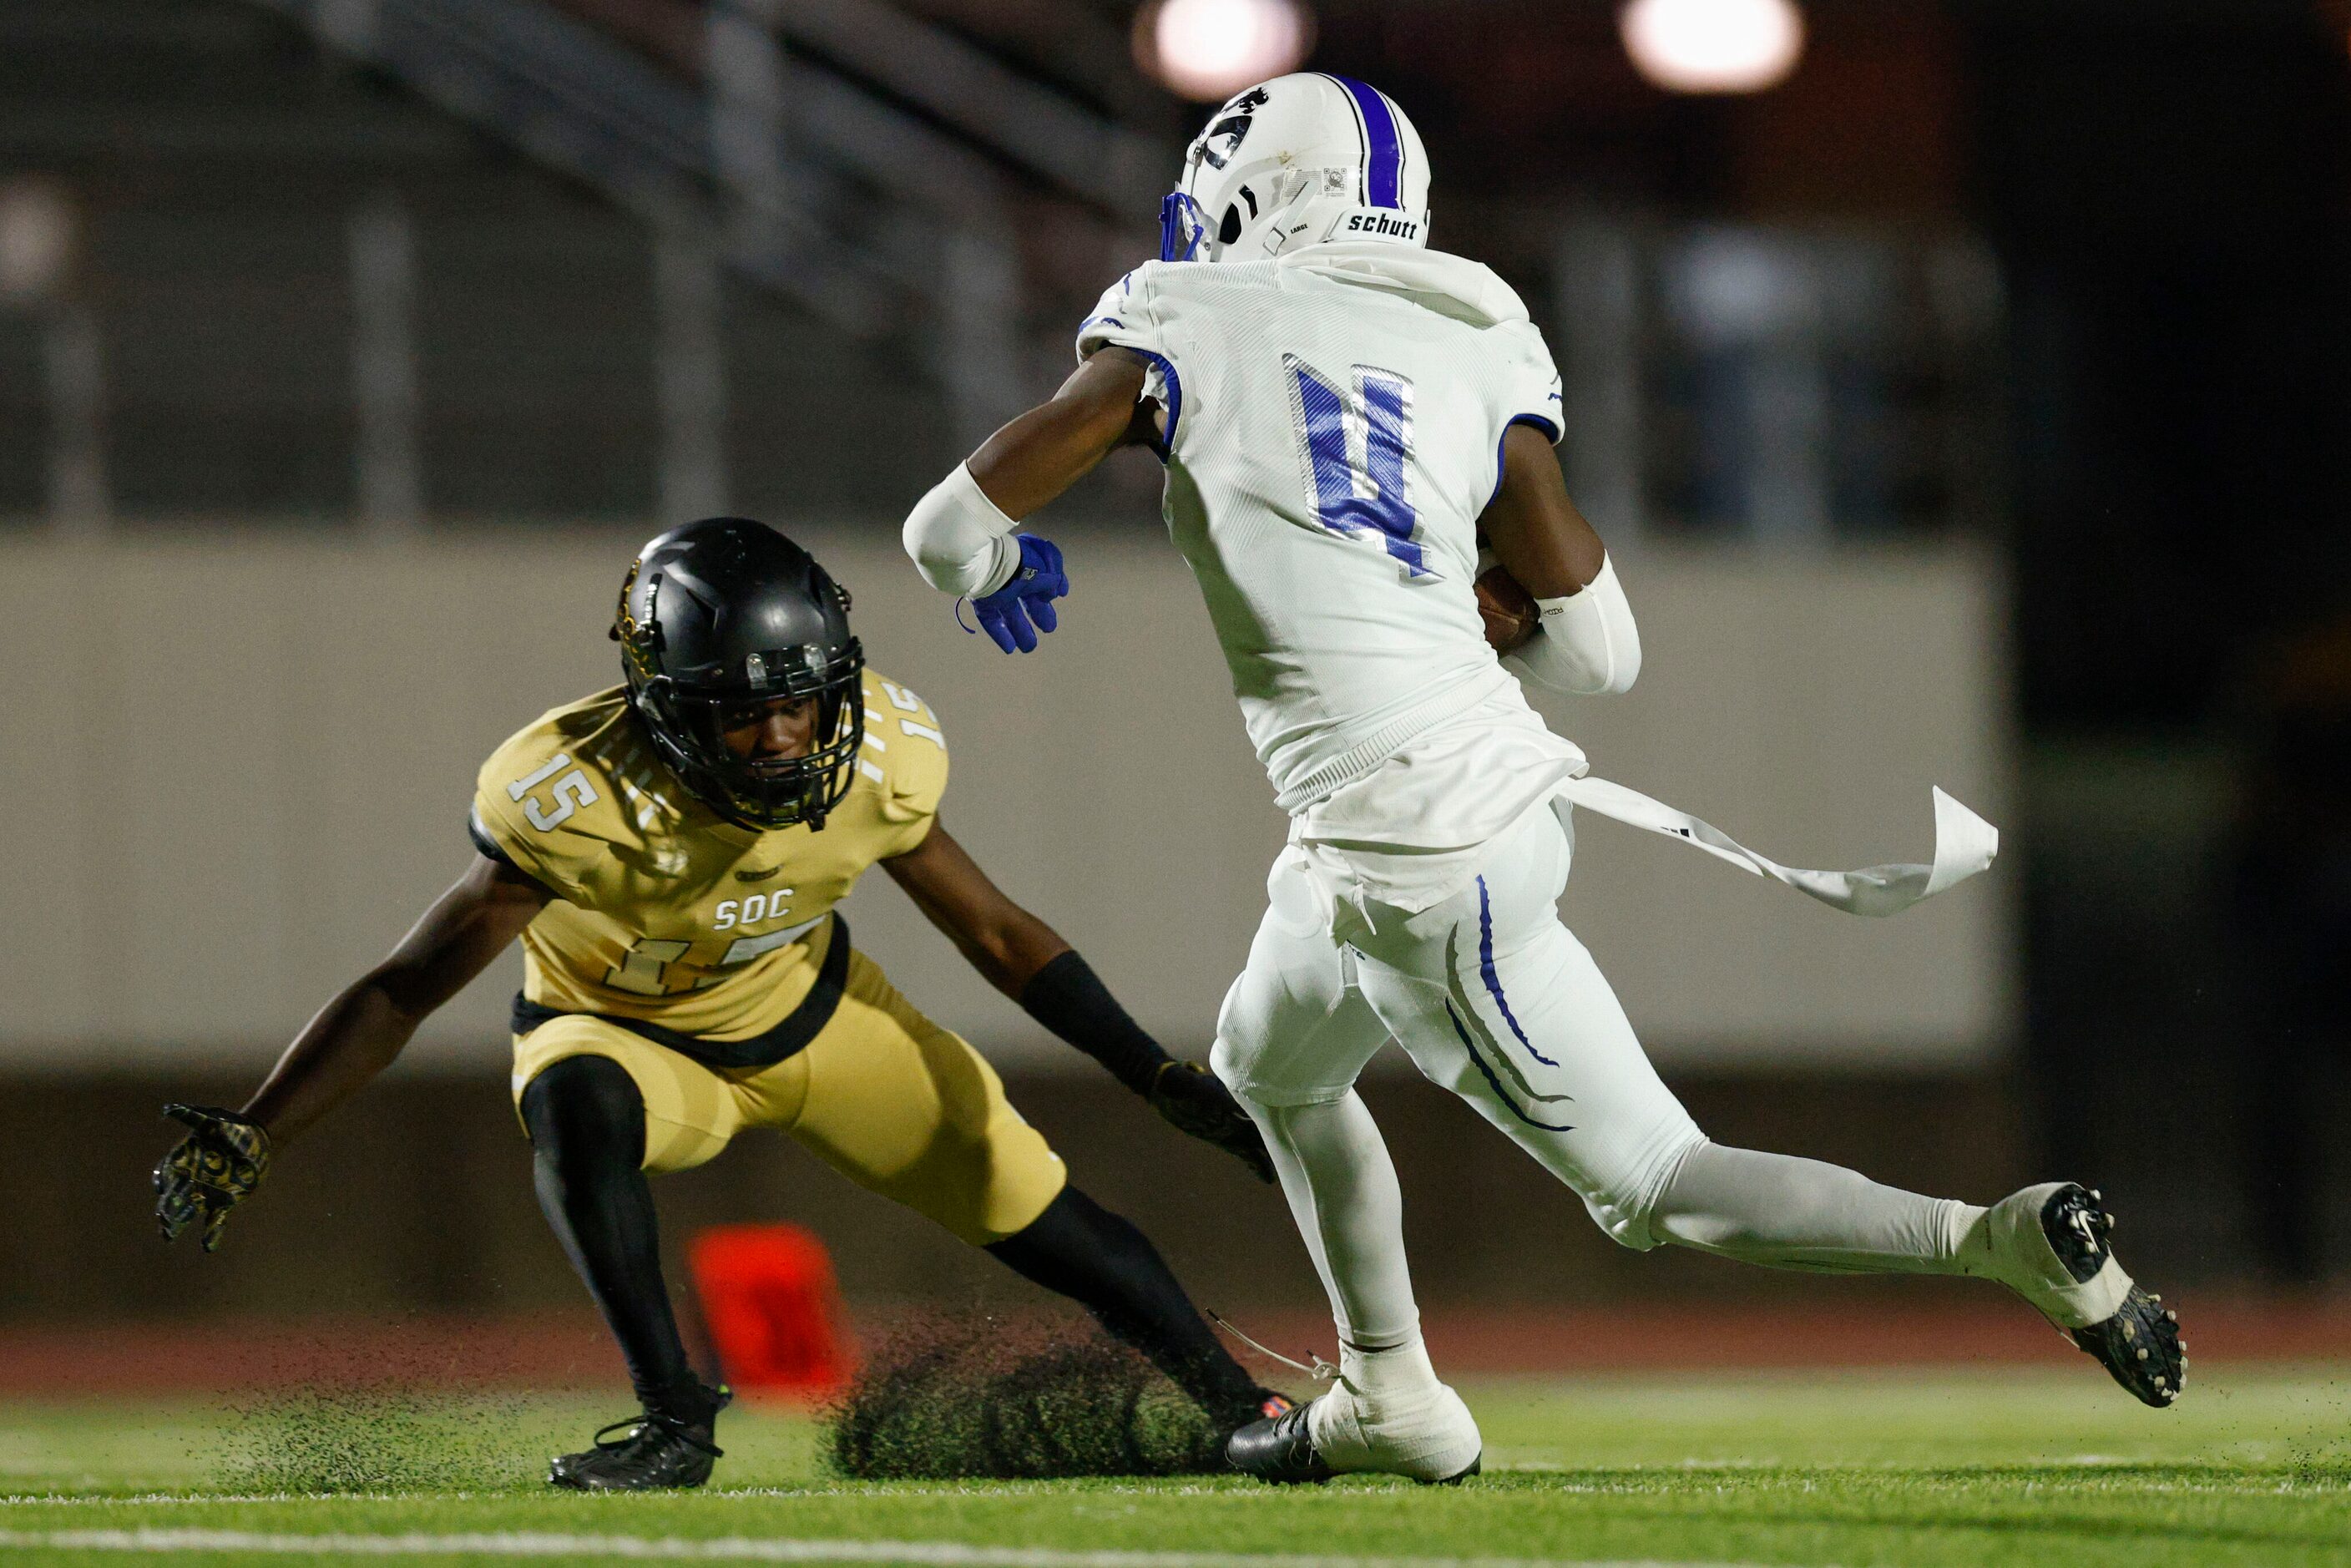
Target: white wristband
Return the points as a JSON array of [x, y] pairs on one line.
[[959, 541], [1588, 644]]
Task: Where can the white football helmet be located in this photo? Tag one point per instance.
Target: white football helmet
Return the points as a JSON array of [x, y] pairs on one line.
[[1296, 161]]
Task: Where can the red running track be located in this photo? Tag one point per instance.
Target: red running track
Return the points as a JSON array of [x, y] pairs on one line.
[[570, 1350]]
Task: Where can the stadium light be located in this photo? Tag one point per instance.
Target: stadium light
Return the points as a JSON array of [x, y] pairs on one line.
[[1713, 45], [1210, 50], [36, 241]]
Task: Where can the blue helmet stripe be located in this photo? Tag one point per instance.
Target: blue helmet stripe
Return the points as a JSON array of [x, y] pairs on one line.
[[1384, 172]]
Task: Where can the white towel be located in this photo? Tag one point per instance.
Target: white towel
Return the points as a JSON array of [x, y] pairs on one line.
[[1964, 844]]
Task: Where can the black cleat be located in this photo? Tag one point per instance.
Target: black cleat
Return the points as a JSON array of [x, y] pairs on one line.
[[1261, 1405], [2075, 1229], [2140, 1343], [1278, 1447], [655, 1453]]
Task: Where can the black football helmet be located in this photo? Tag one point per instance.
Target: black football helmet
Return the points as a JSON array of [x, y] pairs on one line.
[[726, 613]]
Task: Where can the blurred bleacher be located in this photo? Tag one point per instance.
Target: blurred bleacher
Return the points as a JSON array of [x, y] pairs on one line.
[[394, 260], [227, 179]]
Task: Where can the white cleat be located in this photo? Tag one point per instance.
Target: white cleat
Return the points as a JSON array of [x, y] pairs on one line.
[[1427, 1435]]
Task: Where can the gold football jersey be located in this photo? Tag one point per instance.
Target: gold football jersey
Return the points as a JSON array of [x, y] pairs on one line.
[[666, 912]]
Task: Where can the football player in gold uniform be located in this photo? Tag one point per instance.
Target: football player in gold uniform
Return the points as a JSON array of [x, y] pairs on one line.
[[671, 852]]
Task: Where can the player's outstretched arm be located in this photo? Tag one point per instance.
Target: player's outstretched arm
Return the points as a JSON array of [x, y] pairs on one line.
[[1588, 643], [1034, 458], [353, 1037], [1022, 957], [962, 535]]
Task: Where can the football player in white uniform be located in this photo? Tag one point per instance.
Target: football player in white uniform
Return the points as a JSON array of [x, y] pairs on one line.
[[1345, 416]]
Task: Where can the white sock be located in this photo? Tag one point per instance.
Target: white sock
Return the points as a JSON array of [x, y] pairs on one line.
[[1342, 1189], [1385, 1376], [1788, 1213]]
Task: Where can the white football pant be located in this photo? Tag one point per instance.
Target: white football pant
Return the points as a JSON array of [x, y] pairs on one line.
[[1494, 998]]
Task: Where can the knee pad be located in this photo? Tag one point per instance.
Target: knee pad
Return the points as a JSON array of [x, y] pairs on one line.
[[1247, 1027], [1260, 1090], [1293, 1030], [584, 1102], [1228, 1059], [1227, 1071]]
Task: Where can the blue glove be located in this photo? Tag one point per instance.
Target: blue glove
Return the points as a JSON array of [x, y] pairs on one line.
[[1005, 615]]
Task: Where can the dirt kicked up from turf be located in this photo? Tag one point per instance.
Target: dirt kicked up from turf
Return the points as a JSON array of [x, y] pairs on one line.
[[948, 1397], [346, 1442], [361, 1423], [973, 1398]]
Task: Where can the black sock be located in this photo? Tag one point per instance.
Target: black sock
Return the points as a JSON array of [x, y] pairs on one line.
[[1105, 1264], [587, 1125]]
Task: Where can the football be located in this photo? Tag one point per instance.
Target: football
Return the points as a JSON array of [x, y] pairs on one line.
[[1509, 611]]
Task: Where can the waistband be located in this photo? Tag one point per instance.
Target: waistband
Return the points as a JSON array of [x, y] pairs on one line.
[[1374, 748], [787, 1040]]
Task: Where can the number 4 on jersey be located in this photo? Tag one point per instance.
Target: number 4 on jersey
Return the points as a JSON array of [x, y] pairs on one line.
[[1355, 443]]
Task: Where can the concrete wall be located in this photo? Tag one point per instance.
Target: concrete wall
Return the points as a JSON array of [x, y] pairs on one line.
[[419, 1198], [236, 765]]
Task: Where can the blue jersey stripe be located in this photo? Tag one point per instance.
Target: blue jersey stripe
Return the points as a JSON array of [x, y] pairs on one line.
[[1164, 445], [1493, 978], [1383, 171], [1539, 423], [1495, 1083]]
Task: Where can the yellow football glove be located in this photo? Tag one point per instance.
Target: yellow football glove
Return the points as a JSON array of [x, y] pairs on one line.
[[1192, 1100], [221, 1160]]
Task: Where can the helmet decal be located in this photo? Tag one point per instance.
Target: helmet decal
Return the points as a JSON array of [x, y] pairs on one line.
[[1383, 149], [1235, 125], [639, 640]]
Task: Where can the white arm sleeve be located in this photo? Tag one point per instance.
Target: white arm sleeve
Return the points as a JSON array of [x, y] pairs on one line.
[[1588, 644], [959, 541]]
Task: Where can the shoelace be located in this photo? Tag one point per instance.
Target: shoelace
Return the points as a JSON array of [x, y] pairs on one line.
[[638, 1426], [1321, 1371]]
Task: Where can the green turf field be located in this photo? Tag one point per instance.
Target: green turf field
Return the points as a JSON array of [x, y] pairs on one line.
[[2045, 1467]]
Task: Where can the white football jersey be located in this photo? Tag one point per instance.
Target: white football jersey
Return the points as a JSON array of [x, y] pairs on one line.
[[1335, 421]]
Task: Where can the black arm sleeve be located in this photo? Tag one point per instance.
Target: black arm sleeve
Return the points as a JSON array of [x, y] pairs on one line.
[[1067, 997]]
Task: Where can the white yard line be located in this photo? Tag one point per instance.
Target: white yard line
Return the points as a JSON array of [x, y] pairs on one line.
[[733, 1549]]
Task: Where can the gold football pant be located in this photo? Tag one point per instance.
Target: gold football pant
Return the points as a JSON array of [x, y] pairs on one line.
[[883, 1095]]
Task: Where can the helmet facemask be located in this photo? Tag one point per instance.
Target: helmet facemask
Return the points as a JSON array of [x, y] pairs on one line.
[[688, 727], [1263, 211], [686, 715]]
